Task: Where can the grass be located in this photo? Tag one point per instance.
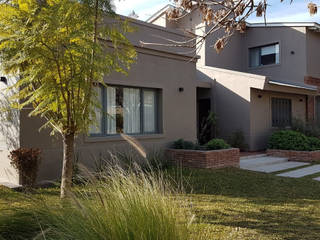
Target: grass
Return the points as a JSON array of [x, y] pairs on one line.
[[229, 204]]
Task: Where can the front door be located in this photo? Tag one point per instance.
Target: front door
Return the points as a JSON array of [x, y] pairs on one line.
[[204, 107]]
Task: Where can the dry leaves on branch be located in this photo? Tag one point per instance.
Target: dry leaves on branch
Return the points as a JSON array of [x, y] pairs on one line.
[[219, 45], [313, 8]]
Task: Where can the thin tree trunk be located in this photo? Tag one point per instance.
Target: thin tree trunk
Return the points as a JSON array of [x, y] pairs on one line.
[[67, 169]]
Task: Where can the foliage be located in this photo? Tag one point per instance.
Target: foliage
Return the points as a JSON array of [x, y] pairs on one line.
[[231, 203], [314, 143], [182, 144], [237, 140], [208, 126], [309, 128], [127, 159], [292, 140], [225, 17], [217, 143], [26, 161], [61, 50], [51, 46], [119, 205]]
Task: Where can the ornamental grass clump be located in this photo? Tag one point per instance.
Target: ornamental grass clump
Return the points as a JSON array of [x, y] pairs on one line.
[[119, 203], [122, 204]]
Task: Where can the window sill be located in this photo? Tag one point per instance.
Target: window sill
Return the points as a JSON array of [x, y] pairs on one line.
[[264, 66], [118, 138]]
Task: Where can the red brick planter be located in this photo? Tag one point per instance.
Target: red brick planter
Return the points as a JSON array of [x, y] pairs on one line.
[[303, 156], [204, 159]]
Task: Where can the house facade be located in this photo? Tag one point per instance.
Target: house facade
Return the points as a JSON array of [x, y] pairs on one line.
[[255, 85], [258, 79], [155, 103]]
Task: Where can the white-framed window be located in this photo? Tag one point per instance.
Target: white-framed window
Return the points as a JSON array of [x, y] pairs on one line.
[[128, 110], [264, 55], [281, 112]]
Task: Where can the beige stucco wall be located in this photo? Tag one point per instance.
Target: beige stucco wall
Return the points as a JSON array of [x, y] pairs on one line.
[[232, 99], [167, 73], [313, 54], [261, 118], [292, 67], [9, 133]]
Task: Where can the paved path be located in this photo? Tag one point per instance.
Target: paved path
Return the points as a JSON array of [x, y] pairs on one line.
[[268, 164], [302, 172], [317, 179]]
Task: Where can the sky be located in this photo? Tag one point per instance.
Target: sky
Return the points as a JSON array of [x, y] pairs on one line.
[[276, 12]]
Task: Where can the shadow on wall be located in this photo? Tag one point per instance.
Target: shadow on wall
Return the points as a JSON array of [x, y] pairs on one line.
[[9, 134], [231, 109], [9, 121]]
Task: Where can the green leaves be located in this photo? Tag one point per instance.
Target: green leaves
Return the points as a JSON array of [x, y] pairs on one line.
[[51, 46]]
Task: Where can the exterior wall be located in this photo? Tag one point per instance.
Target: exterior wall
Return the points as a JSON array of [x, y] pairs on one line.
[[261, 118], [205, 159], [167, 73], [313, 53], [311, 111], [232, 57], [9, 134], [292, 67], [232, 99]]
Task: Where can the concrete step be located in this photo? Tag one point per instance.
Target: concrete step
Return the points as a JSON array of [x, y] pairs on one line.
[[253, 156], [317, 179], [301, 172], [261, 161], [276, 167], [9, 184]]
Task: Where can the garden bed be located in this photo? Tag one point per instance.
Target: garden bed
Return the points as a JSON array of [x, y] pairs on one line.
[[204, 159], [303, 156]]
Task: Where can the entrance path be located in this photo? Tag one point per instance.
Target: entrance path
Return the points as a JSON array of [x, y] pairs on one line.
[[268, 164], [302, 172]]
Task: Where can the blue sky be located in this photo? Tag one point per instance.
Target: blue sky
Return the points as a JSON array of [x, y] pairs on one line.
[[277, 11]]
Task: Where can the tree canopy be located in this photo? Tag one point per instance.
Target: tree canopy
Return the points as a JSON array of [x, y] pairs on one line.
[[61, 49]]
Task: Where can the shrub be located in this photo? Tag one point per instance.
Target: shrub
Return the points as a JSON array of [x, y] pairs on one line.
[[119, 205], [308, 128], [207, 128], [314, 143], [237, 140], [289, 140], [216, 144], [26, 161], [182, 144]]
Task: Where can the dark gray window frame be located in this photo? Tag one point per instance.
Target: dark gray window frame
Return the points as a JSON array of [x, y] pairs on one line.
[[142, 132], [280, 107], [260, 47]]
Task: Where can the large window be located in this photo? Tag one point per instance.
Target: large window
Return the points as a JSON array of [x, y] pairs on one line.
[[281, 112], [126, 110], [265, 55]]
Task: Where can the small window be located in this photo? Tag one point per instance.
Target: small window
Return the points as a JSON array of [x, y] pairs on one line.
[[127, 110], [281, 112], [265, 55]]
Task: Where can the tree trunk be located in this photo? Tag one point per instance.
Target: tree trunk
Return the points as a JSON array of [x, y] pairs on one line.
[[67, 169]]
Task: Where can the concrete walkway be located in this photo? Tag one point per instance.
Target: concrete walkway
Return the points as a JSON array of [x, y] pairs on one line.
[[268, 164], [302, 172]]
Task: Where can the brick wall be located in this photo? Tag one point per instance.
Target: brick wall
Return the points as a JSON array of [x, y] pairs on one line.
[[205, 159], [302, 156], [310, 108]]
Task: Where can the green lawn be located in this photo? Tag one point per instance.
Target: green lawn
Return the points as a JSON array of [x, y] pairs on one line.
[[229, 204]]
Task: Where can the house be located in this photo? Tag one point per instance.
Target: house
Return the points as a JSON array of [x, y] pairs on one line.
[[157, 102], [258, 79], [255, 85]]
